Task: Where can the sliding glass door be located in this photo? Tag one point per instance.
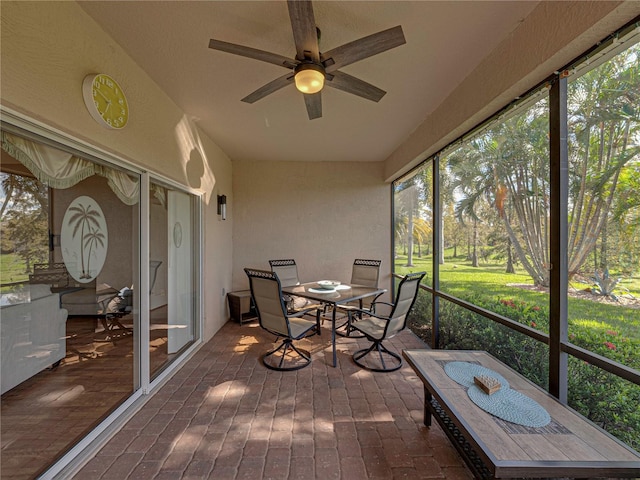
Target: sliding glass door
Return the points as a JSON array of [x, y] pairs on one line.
[[173, 280], [71, 325]]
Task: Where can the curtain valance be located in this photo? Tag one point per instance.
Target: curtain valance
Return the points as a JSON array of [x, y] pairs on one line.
[[60, 169]]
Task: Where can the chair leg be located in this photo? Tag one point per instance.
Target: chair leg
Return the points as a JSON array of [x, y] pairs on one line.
[[318, 317], [286, 345], [113, 329], [324, 312], [349, 331], [315, 331], [116, 324], [381, 349]]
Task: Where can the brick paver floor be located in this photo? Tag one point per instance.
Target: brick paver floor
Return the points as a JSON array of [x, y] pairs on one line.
[[225, 416]]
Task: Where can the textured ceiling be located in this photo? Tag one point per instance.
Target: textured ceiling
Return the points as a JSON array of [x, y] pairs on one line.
[[169, 40]]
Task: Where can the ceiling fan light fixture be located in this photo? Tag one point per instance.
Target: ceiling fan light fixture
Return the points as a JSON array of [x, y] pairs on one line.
[[309, 78]]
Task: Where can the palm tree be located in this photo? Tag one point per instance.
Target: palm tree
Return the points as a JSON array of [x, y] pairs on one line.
[[604, 121], [409, 199], [421, 231], [505, 170], [507, 166], [83, 217], [93, 238]]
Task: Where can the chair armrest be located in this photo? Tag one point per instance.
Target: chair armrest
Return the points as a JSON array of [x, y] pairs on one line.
[[381, 303], [305, 311], [368, 313], [371, 305]]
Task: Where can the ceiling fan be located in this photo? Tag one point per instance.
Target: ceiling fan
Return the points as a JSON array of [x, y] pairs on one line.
[[311, 69]]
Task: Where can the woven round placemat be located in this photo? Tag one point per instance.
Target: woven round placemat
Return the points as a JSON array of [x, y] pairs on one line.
[[510, 405], [463, 373], [506, 403]]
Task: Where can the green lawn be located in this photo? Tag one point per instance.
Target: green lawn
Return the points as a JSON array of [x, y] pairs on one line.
[[12, 269], [460, 279]]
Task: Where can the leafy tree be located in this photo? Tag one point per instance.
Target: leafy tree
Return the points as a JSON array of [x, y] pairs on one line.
[[455, 232], [24, 218]]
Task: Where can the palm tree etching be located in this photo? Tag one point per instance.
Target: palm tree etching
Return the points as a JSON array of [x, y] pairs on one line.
[[93, 238], [83, 217]]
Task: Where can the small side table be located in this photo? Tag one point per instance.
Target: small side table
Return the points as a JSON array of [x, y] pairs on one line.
[[241, 308]]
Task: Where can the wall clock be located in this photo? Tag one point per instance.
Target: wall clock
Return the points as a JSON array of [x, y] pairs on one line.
[[105, 100]]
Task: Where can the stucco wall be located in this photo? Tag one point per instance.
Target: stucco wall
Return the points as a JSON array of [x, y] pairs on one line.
[[323, 215], [549, 38], [47, 50]]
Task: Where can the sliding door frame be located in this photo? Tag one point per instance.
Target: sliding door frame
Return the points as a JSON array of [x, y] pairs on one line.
[[17, 123]]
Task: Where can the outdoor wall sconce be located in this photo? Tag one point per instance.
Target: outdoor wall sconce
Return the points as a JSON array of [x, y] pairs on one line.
[[222, 206]]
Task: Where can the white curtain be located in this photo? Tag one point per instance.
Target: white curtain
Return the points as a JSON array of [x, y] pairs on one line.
[[160, 194], [60, 169]]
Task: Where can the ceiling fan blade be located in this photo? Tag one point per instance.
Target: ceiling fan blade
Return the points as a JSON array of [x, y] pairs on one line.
[[305, 34], [270, 87], [313, 101], [350, 84], [363, 48], [254, 53]]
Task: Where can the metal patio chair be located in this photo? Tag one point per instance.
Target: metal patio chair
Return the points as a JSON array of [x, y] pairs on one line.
[[287, 272], [273, 316], [378, 327], [115, 304], [364, 272]]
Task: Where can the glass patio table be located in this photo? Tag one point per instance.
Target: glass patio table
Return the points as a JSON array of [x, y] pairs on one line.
[[343, 294]]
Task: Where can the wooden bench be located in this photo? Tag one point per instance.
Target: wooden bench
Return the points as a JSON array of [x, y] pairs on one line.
[[570, 446]]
